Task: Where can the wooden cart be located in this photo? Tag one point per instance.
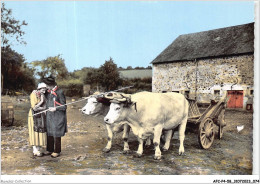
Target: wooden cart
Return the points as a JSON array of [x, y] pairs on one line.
[[214, 114]]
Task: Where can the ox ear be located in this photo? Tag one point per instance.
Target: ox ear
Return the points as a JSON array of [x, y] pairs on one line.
[[127, 104], [130, 104], [134, 104], [126, 101]]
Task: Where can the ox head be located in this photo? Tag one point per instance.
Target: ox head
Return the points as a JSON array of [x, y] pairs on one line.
[[95, 105], [118, 111]]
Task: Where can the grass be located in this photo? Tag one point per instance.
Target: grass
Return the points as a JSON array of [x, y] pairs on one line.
[[131, 74], [21, 109]]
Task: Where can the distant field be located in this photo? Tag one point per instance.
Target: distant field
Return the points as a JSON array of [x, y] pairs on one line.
[[130, 74]]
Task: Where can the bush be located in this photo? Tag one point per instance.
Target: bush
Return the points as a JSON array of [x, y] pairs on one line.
[[144, 84], [71, 88]]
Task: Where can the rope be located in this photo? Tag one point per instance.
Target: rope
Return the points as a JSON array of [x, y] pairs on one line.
[[84, 99]]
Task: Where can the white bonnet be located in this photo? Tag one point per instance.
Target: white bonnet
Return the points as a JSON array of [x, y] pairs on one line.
[[41, 85]]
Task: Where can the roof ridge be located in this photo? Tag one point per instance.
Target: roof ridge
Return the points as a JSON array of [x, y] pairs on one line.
[[217, 29]]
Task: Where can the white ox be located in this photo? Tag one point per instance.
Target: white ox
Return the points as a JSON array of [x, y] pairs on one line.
[[150, 114], [100, 106]]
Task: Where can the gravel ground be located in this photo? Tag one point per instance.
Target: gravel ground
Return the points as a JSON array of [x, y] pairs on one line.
[[82, 150]]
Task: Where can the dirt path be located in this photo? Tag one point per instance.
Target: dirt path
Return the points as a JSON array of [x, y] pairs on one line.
[[82, 150]]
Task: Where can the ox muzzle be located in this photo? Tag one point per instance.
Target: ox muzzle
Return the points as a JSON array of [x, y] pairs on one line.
[[106, 120]]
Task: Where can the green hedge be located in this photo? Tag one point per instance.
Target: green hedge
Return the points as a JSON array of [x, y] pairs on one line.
[[72, 88], [144, 84]]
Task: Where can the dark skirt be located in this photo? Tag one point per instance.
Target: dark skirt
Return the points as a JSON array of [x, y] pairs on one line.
[[39, 122]]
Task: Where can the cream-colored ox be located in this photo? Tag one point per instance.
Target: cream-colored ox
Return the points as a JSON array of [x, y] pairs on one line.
[[100, 106], [151, 113]]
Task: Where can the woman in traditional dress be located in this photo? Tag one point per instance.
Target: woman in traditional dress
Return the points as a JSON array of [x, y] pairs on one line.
[[37, 123]]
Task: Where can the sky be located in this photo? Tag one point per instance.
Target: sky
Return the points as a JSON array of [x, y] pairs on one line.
[[132, 33]]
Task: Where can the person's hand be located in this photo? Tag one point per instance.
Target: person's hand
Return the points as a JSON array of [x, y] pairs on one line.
[[52, 109]]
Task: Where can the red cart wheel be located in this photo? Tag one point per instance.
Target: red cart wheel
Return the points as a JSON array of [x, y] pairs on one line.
[[206, 133]]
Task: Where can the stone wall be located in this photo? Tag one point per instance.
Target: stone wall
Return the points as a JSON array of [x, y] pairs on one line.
[[203, 77]]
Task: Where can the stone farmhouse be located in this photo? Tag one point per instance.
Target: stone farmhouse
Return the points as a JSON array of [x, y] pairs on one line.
[[209, 64]]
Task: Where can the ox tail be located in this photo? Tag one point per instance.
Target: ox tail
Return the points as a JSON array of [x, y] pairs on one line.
[[182, 126], [184, 120]]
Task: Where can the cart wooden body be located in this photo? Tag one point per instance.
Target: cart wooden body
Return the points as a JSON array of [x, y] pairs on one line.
[[213, 115]]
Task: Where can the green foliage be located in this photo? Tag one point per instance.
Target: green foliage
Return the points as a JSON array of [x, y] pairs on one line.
[[108, 75], [10, 27], [10, 59], [136, 68], [92, 77], [140, 84], [16, 74], [51, 66], [82, 73], [107, 78], [26, 80], [139, 68], [72, 87]]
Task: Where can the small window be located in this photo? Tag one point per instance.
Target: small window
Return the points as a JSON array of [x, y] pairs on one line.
[[251, 92], [164, 91], [176, 91], [217, 92]]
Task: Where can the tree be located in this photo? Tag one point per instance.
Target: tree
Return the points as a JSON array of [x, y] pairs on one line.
[[82, 73], [13, 68], [92, 77], [51, 66], [16, 74], [26, 80], [108, 75], [10, 28], [139, 68], [129, 68]]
